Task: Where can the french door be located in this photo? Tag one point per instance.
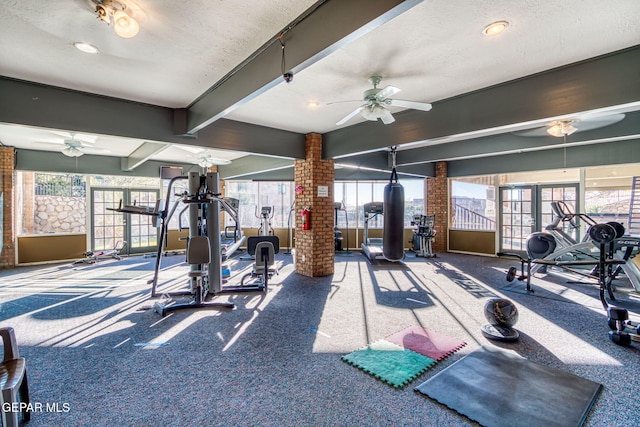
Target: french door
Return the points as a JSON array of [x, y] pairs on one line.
[[527, 209], [110, 227]]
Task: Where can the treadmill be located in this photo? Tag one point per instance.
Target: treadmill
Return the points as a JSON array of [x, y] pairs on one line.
[[372, 247]]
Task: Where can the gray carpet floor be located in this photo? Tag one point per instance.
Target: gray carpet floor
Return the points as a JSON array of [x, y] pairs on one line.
[[97, 355]]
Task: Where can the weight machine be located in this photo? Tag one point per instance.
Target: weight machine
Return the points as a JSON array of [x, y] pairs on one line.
[[423, 235], [558, 248], [205, 203], [619, 250]]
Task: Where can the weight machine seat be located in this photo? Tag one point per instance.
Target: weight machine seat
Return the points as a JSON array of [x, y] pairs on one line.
[[198, 252], [265, 257], [263, 247], [13, 379]]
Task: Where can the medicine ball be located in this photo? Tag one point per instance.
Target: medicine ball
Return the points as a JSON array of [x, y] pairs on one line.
[[500, 311]]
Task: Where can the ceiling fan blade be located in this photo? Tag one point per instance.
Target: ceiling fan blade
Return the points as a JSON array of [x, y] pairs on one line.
[[92, 150], [342, 102], [597, 122], [422, 106], [584, 123], [387, 92], [540, 131], [190, 149], [387, 117], [350, 115]]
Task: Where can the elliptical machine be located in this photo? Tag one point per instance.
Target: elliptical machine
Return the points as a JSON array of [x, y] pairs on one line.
[[265, 217]]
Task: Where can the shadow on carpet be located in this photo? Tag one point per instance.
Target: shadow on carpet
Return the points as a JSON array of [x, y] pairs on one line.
[[499, 388]]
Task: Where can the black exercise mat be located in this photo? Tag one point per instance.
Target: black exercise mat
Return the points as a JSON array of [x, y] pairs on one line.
[[496, 388]]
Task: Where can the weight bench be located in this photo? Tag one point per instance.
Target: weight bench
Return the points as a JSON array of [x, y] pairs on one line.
[[13, 381]]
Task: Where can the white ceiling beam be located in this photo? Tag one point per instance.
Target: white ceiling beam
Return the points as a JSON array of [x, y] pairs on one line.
[[144, 152]]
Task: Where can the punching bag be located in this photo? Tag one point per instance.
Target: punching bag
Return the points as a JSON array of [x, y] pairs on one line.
[[393, 232]]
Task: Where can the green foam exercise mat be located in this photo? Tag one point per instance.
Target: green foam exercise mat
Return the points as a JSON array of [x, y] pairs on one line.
[[389, 363]]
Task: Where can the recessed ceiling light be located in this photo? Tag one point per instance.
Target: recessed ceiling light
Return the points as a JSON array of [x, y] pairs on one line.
[[312, 105], [86, 47], [495, 28]]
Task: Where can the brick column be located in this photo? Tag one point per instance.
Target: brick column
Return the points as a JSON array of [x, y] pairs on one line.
[[314, 247], [438, 205], [7, 251]]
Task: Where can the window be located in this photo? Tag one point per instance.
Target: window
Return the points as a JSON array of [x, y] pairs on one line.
[[608, 192], [473, 203], [50, 203], [254, 195], [354, 194]]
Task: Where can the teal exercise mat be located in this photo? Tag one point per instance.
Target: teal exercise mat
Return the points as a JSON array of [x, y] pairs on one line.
[[389, 363], [499, 388]]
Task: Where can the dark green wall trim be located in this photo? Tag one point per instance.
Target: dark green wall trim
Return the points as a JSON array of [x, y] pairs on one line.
[[47, 161], [612, 153]]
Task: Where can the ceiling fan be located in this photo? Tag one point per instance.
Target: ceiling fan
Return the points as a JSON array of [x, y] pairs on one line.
[[202, 157], [377, 101], [75, 145], [566, 127]]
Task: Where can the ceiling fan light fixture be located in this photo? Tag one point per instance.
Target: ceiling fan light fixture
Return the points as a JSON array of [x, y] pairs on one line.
[[495, 28], [208, 161], [561, 129], [204, 162], [71, 151], [371, 113], [115, 12], [124, 25]]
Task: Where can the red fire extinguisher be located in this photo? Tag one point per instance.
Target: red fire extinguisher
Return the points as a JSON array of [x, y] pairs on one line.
[[306, 219]]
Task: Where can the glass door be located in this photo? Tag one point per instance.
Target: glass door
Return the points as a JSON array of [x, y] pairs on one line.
[[527, 209], [142, 235], [518, 217], [107, 227], [559, 193], [110, 227]]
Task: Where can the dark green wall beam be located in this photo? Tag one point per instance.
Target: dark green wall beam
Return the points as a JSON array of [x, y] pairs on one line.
[[33, 104], [496, 144], [609, 80]]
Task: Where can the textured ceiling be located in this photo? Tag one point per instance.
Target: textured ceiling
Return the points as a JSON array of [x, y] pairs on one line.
[[432, 52]]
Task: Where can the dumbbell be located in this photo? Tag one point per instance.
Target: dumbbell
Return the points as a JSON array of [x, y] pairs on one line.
[[629, 326], [618, 316]]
